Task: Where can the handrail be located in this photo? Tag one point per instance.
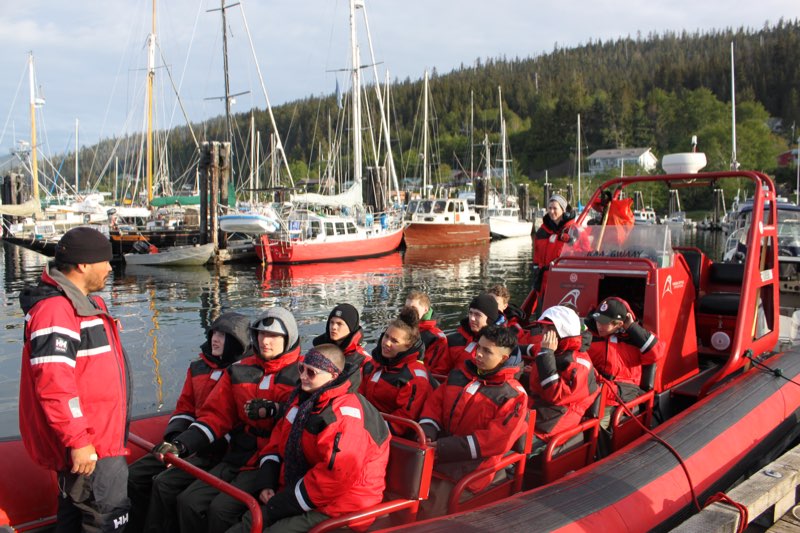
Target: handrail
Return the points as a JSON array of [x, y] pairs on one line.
[[170, 459]]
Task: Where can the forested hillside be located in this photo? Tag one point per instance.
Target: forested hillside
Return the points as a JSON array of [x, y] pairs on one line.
[[638, 91]]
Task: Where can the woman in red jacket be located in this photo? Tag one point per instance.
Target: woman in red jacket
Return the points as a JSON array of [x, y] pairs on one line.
[[550, 238], [396, 381], [327, 456]]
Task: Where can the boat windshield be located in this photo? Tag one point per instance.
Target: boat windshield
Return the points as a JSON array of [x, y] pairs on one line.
[[650, 241]]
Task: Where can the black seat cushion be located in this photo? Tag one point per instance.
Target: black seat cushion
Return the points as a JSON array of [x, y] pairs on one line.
[[721, 303]]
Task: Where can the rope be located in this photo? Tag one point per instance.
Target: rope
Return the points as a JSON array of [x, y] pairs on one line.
[[721, 497], [612, 386]]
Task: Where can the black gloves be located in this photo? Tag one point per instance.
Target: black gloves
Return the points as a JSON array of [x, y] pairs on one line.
[[175, 448], [259, 408]]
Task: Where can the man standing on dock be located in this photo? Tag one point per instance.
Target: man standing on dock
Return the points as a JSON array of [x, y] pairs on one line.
[[74, 385]]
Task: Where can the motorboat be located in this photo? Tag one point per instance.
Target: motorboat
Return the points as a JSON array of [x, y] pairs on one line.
[[174, 256], [443, 222]]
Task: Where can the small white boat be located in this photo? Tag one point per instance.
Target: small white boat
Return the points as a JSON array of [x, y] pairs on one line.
[[249, 223], [173, 256], [504, 223]]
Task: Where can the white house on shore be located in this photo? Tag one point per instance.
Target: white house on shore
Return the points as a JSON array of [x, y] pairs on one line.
[[602, 160]]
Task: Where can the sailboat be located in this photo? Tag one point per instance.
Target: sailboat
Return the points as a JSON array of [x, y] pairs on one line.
[[503, 213], [440, 221], [337, 227]]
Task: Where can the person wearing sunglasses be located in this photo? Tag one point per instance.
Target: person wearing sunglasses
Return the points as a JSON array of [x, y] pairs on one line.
[[344, 330], [152, 487], [327, 456], [475, 416], [270, 375], [396, 381]]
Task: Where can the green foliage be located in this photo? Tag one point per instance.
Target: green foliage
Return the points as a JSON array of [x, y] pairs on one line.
[[655, 91]]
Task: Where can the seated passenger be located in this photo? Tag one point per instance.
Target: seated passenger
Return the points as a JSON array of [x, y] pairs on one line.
[[562, 381], [344, 330], [327, 456], [270, 376], [433, 338], [461, 344], [515, 318], [620, 348], [152, 487], [395, 380], [475, 417]]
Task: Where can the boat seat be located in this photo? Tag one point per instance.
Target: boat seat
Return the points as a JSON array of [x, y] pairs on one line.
[[694, 260], [721, 303], [516, 458], [408, 480], [727, 273], [568, 450]]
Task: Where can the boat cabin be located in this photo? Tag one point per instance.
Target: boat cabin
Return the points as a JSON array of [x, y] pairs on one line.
[[442, 211]]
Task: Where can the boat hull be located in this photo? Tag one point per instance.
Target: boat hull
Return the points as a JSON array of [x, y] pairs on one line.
[[175, 256], [418, 234], [642, 487], [503, 228], [282, 252]]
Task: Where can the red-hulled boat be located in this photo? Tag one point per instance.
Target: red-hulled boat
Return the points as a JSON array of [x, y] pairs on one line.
[[309, 237], [444, 222], [723, 399]]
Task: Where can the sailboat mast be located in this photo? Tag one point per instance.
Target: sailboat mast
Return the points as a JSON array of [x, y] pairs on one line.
[[425, 135], [578, 155], [356, 94], [34, 156], [77, 179], [228, 129], [151, 73], [734, 162], [471, 134], [502, 139], [252, 152]]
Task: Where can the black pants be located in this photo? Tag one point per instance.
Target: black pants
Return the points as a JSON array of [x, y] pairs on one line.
[[204, 508], [97, 503]]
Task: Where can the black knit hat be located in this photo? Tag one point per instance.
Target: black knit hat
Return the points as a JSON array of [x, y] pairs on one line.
[[346, 312], [486, 304], [83, 245]]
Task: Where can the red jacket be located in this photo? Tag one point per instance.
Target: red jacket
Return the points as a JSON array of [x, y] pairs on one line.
[[74, 382], [550, 240], [460, 347], [223, 410], [475, 420], [398, 386], [435, 342], [620, 357], [563, 386], [201, 377], [346, 446]]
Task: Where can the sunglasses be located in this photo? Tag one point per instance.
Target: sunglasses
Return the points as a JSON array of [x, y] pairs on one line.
[[309, 371]]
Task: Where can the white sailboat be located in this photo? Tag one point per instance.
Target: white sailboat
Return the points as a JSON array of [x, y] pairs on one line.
[[503, 212]]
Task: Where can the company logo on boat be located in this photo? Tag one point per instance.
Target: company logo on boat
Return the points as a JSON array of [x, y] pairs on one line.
[[573, 277], [61, 345], [669, 285], [571, 298]]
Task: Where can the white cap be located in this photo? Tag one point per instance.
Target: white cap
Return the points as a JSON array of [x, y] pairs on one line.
[[271, 325], [565, 320]]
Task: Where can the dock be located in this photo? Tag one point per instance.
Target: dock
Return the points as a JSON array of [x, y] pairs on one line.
[[770, 496]]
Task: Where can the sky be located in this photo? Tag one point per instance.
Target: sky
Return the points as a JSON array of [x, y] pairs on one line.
[[90, 55]]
